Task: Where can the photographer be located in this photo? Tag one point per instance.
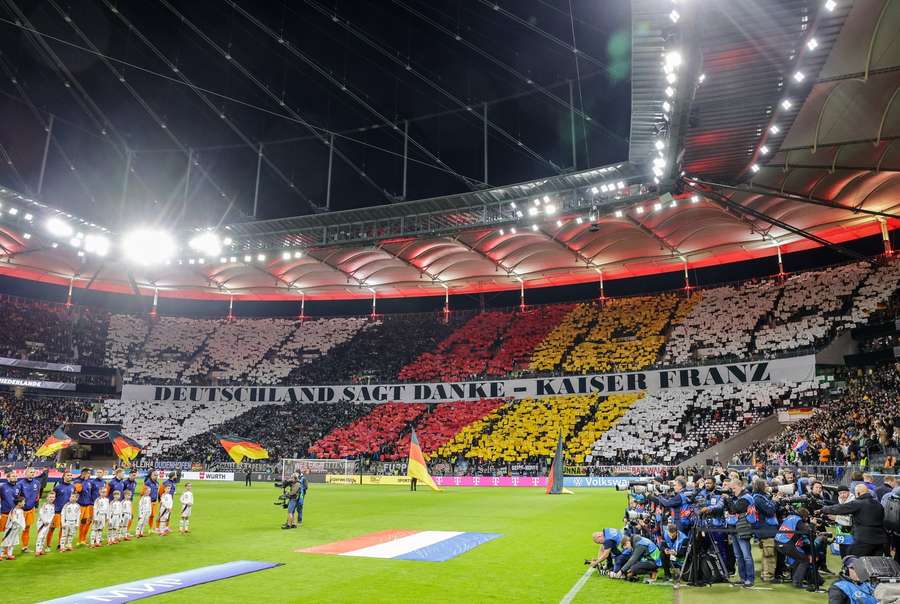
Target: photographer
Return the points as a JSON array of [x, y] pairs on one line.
[[767, 527], [645, 559], [674, 550], [843, 539], [850, 588], [742, 517], [294, 492], [610, 541], [793, 542], [869, 537], [679, 504], [713, 515]]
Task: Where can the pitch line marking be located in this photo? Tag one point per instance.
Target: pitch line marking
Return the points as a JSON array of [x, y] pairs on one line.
[[567, 599]]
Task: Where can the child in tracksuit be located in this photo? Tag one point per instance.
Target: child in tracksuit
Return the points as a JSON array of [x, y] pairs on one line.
[[45, 521], [145, 508], [165, 510], [15, 524], [70, 518], [101, 514], [115, 518], [126, 516], [187, 503]]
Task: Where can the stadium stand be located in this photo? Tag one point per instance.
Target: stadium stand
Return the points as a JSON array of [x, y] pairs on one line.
[[26, 422], [670, 425], [607, 414], [372, 435], [287, 430], [47, 331], [863, 422], [437, 427]]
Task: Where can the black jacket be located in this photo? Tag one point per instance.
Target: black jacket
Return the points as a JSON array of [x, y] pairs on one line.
[[868, 519]]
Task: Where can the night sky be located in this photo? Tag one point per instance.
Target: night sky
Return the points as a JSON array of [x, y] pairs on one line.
[[401, 58]]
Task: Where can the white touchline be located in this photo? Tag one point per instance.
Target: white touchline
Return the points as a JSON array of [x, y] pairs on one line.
[[577, 587]]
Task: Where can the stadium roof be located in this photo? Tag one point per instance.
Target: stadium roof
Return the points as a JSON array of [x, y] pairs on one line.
[[760, 175]]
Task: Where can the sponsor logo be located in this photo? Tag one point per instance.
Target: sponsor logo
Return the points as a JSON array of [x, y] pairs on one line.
[[93, 434]]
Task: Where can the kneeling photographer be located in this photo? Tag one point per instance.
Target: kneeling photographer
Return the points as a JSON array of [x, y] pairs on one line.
[[800, 552], [645, 558]]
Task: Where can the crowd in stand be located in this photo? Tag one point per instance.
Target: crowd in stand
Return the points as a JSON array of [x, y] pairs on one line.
[[862, 423], [26, 422]]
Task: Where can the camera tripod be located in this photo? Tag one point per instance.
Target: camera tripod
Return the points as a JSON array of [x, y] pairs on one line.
[[692, 560]]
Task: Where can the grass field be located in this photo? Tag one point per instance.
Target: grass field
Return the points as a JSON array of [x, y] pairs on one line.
[[538, 558]]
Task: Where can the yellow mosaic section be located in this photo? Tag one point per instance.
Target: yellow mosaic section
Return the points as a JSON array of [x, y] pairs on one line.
[[548, 354], [463, 440], [530, 428], [608, 413]]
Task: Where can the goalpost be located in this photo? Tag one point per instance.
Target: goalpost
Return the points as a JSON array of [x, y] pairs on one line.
[[346, 467]]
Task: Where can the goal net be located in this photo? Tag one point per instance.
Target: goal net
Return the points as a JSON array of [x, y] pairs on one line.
[[319, 466]]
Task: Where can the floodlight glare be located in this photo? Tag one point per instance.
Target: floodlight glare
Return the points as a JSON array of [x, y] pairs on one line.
[[774, 129], [550, 209], [798, 76], [669, 91], [298, 254], [206, 243], [667, 106], [618, 213], [671, 78], [285, 255], [673, 58], [755, 168], [96, 244], [148, 246], [812, 44], [830, 5], [786, 104], [660, 145], [695, 199], [59, 228], [674, 16]]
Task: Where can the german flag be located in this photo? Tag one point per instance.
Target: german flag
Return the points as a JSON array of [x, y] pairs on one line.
[[555, 479], [57, 441], [126, 448], [415, 466], [238, 448]]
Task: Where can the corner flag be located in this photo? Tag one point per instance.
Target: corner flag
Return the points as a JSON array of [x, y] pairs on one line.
[[555, 479], [415, 465]]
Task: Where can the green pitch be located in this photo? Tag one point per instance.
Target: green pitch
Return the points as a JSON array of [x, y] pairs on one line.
[[538, 558]]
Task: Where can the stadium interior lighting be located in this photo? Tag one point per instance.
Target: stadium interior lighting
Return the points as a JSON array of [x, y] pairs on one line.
[[75, 242], [537, 202], [786, 104], [559, 223], [550, 209], [674, 203], [532, 211], [201, 261], [674, 16], [248, 258], [812, 44], [59, 228], [798, 76], [513, 230], [13, 211], [618, 213], [206, 243], [764, 150], [667, 106], [534, 227], [148, 246], [29, 217], [673, 59], [502, 232], [604, 188], [519, 213], [755, 168], [594, 190], [695, 198], [261, 257], [639, 209], [671, 78], [774, 129], [26, 235], [620, 185], [227, 240], [579, 220], [669, 91], [285, 255], [546, 199], [233, 259], [659, 144], [657, 207], [223, 260], [830, 5], [96, 244], [298, 254], [81, 253], [512, 205], [701, 78]]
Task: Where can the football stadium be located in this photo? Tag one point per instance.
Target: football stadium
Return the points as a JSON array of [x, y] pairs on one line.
[[556, 301]]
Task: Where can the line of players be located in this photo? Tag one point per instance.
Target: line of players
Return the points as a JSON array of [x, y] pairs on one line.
[[82, 507]]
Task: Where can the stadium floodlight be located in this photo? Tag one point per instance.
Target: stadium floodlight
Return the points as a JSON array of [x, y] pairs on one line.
[[532, 211], [75, 242], [546, 199], [81, 253], [618, 213], [657, 171], [298, 254], [502, 232], [773, 129], [232, 260], [201, 260], [620, 185], [13, 211], [657, 207], [701, 77], [659, 144], [285, 255], [206, 243], [764, 150], [669, 91], [513, 230], [579, 220], [639, 209], [519, 214], [148, 246], [223, 260], [512, 205], [659, 162], [830, 5], [671, 78], [559, 223], [695, 198], [755, 168], [673, 59], [674, 16], [667, 106], [537, 202], [799, 76], [534, 227], [26, 235], [812, 44], [674, 203], [550, 209], [29, 217], [248, 258], [604, 188], [96, 244], [594, 190], [261, 257], [59, 228], [226, 241], [786, 104]]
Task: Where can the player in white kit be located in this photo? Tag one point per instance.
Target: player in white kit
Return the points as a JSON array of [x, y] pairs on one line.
[[45, 521], [187, 504], [115, 519], [165, 510], [70, 517], [101, 515], [126, 516]]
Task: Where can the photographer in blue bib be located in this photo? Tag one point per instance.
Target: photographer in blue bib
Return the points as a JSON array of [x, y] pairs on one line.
[[801, 550]]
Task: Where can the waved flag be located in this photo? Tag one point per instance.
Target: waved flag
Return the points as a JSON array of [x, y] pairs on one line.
[[57, 441], [238, 448], [415, 466], [800, 445], [126, 448]]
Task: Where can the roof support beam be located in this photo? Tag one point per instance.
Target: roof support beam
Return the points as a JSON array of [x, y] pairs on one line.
[[675, 251], [474, 250], [421, 271], [334, 266], [578, 255]]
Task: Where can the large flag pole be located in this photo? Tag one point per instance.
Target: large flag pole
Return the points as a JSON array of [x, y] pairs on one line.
[[555, 479], [415, 466]]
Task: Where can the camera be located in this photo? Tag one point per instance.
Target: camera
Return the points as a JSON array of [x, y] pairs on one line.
[[285, 486]]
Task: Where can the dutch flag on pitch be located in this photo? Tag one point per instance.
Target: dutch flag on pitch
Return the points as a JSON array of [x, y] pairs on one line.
[[430, 546], [800, 445]]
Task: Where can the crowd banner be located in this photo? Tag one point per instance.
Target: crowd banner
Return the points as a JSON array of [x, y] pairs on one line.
[[25, 383], [216, 476], [68, 368], [794, 369]]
